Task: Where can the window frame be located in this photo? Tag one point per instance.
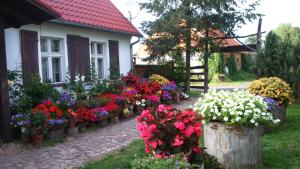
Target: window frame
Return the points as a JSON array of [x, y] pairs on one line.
[[95, 56], [50, 55]]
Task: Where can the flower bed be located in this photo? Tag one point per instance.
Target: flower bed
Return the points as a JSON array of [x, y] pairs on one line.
[[76, 109]]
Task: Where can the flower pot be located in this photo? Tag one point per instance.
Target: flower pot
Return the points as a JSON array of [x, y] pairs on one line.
[[37, 139], [234, 147], [71, 123], [56, 134], [72, 132], [103, 123], [128, 115], [25, 138]]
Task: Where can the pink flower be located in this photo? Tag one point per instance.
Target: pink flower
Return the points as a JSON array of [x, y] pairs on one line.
[[161, 108], [152, 128], [178, 141], [153, 144], [159, 156], [179, 125], [189, 131]]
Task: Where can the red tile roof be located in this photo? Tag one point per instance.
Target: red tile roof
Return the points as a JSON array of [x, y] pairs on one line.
[[99, 14]]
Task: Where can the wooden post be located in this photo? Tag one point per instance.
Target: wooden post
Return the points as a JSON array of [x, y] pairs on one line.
[[259, 34], [5, 115], [206, 54]]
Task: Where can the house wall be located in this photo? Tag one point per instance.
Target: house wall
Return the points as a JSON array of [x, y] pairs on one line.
[[13, 45], [238, 56]]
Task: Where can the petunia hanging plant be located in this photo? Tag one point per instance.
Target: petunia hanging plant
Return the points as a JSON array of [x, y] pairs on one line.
[[234, 108]]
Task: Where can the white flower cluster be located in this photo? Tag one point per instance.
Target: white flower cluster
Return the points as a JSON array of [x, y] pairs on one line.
[[142, 102], [233, 108], [78, 78]]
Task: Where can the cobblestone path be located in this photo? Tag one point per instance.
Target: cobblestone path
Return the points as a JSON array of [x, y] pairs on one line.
[[76, 151]]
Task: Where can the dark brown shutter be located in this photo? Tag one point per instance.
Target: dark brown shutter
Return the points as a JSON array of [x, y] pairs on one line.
[[29, 49], [79, 55], [114, 58]]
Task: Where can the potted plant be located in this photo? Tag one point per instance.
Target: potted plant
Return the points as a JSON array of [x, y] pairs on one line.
[[276, 89], [231, 130], [38, 127]]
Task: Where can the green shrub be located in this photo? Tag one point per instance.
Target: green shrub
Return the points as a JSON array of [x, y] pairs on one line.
[[214, 66], [222, 65], [232, 67], [246, 63], [151, 162], [28, 96]]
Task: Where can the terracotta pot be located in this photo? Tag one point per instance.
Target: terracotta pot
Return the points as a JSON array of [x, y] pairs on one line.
[[37, 139]]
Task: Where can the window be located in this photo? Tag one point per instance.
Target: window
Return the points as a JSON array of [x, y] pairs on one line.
[[52, 55], [97, 51]]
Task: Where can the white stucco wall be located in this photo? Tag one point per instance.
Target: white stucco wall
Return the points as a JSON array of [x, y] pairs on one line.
[[13, 50]]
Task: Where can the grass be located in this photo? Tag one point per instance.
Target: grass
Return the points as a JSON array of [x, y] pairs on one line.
[[241, 78], [119, 160], [280, 148]]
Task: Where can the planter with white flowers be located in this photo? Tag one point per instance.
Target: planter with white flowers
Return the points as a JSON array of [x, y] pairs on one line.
[[231, 131]]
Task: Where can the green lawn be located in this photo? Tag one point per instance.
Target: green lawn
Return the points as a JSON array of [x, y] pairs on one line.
[[280, 148]]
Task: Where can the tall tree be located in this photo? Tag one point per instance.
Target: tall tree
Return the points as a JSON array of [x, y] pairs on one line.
[[181, 25], [281, 56]]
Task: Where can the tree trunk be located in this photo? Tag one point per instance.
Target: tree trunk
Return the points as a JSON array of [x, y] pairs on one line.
[[234, 147], [188, 52], [206, 54]]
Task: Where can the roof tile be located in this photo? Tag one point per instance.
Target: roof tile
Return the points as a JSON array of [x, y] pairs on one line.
[[102, 14]]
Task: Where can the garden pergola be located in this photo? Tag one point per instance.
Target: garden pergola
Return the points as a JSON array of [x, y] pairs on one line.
[[14, 14]]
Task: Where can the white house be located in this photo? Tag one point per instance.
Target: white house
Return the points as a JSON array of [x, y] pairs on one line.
[[88, 33]]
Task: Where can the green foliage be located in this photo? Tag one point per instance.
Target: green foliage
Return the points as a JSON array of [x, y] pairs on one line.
[[37, 123], [213, 66], [25, 97], [280, 56], [106, 86], [221, 64], [232, 67], [151, 162], [173, 69], [246, 63]]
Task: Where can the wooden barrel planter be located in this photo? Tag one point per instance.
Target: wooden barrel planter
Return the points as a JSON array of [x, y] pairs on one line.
[[72, 132], [277, 113], [234, 147]]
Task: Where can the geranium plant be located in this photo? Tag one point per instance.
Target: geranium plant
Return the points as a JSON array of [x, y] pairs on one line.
[[166, 131], [234, 108], [272, 87]]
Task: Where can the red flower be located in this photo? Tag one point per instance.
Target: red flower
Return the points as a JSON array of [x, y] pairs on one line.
[[53, 109]]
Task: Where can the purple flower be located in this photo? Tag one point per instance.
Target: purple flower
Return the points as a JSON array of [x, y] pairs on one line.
[[66, 98], [271, 103], [166, 96], [170, 86]]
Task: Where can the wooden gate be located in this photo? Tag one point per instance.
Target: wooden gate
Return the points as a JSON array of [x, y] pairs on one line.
[[198, 80]]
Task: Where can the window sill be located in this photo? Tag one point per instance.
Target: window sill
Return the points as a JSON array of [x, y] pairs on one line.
[[58, 84]]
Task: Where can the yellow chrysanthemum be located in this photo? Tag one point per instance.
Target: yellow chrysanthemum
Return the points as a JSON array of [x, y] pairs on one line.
[[273, 87], [159, 79]]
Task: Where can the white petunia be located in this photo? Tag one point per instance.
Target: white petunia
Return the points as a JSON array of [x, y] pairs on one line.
[[225, 118]]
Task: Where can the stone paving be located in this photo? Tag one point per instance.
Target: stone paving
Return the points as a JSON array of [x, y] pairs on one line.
[[76, 151]]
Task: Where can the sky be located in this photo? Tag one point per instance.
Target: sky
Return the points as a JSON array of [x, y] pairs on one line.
[[275, 11]]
